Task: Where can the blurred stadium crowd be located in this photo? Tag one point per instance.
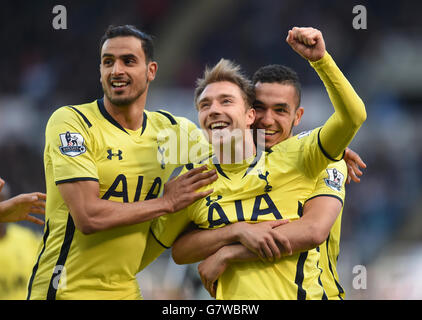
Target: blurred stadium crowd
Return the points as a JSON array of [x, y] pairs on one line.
[[43, 68]]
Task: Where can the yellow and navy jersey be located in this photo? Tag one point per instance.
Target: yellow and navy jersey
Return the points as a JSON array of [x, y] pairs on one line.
[[18, 250], [273, 185], [84, 142], [331, 182]]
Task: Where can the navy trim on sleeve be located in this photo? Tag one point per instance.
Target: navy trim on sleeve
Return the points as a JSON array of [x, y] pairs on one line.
[[83, 117], [325, 152], [76, 179], [159, 242], [327, 195], [168, 116]]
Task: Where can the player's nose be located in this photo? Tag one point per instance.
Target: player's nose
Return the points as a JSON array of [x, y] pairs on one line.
[[118, 69], [215, 108], [266, 118]]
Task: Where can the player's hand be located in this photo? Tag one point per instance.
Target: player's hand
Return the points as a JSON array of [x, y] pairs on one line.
[[261, 239], [354, 163], [211, 269], [181, 191], [308, 42], [18, 208], [1, 184]]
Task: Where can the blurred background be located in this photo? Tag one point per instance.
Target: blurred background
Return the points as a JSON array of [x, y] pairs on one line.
[[43, 68]]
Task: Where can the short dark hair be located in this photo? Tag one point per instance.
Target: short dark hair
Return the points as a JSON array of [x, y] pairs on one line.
[[130, 31], [279, 74]]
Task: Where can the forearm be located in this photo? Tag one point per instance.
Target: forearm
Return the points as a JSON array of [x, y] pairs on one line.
[[199, 244], [237, 253], [350, 111], [92, 214], [102, 215], [313, 228], [3, 211], [302, 236]]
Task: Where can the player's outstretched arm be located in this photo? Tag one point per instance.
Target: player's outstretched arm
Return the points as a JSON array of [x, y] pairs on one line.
[[350, 111], [92, 214], [19, 208]]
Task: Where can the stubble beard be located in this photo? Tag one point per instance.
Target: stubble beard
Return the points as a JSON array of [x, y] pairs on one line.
[[125, 100]]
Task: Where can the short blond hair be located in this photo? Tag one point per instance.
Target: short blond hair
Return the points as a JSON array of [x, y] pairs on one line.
[[226, 70]]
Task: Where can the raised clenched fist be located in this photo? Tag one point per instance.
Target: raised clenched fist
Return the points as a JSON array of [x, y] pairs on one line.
[[308, 42]]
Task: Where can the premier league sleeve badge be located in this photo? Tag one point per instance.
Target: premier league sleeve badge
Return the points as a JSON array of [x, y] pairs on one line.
[[72, 144], [335, 179]]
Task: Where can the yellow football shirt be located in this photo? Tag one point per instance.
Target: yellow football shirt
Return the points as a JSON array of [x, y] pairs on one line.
[[83, 142], [274, 185], [18, 249]]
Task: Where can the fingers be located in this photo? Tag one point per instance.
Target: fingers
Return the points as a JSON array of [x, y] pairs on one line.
[[34, 220], [209, 285], [37, 210], [352, 156], [355, 168], [1, 183], [277, 223], [196, 178], [41, 196], [203, 194], [354, 163], [214, 289], [271, 250], [284, 242], [202, 179], [352, 175], [194, 171], [306, 36]]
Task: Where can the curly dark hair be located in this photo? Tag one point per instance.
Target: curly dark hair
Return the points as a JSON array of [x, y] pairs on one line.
[[279, 74]]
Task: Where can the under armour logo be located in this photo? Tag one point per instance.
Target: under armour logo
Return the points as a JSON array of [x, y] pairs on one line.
[[111, 154], [267, 188], [209, 200]]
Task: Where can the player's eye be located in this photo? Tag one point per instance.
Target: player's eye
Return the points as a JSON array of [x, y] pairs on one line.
[[129, 61], [107, 62], [203, 105], [227, 101]]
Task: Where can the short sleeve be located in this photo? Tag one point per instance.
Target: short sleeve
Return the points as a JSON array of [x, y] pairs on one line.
[[167, 228], [331, 182], [70, 147]]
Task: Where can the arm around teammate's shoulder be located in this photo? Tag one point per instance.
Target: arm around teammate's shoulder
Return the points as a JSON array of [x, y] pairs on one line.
[[92, 214]]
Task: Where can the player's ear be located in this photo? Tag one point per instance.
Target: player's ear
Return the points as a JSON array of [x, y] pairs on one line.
[[152, 70], [298, 115], [250, 116]]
